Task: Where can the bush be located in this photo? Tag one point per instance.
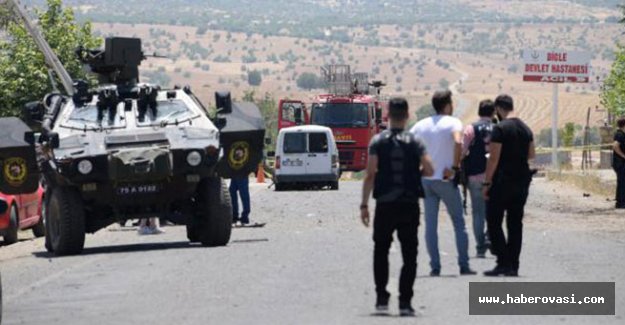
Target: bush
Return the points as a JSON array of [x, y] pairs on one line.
[[254, 78]]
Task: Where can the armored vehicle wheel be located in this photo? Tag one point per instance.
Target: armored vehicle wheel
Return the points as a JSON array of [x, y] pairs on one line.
[[65, 222], [39, 230], [212, 223], [10, 237]]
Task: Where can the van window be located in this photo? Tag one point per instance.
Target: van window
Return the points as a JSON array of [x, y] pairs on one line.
[[318, 142], [295, 143]]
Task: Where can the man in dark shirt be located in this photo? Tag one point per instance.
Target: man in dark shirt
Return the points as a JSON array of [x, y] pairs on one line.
[[506, 185], [618, 163], [397, 160]]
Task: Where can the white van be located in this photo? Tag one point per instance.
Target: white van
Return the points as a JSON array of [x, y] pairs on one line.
[[306, 156]]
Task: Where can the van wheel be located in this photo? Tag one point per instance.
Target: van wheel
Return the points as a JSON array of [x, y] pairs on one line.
[[11, 235], [334, 186], [279, 187], [65, 222], [212, 223]]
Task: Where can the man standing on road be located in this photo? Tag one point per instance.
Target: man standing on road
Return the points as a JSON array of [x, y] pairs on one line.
[[506, 185], [240, 186], [618, 163], [442, 135], [397, 160], [475, 148]]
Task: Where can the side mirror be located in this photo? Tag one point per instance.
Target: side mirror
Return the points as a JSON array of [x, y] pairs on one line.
[[299, 119], [3, 206], [32, 114], [271, 154], [378, 115], [220, 122], [53, 140], [223, 102], [268, 141]]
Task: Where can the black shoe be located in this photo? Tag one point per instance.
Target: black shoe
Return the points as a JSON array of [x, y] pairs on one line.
[[435, 272], [381, 304], [405, 309], [497, 271], [512, 272], [467, 271]]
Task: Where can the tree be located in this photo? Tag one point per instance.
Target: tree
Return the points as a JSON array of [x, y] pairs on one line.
[[309, 81], [23, 71], [443, 83], [254, 78], [568, 134], [425, 111], [613, 90]]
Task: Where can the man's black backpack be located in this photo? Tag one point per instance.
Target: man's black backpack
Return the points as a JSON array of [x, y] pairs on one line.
[[475, 162]]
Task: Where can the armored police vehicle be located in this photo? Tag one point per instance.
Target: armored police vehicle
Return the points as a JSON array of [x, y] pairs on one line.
[[125, 149]]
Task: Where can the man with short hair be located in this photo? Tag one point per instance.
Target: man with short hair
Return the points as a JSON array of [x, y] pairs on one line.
[[475, 149], [442, 135], [397, 160], [506, 185], [618, 162]]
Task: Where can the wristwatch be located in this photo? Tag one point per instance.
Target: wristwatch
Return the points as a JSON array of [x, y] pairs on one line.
[[364, 206]]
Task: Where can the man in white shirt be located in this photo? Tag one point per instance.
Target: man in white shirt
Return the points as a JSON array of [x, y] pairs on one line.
[[442, 135]]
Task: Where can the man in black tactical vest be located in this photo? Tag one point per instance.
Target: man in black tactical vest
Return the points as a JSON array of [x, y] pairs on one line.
[[397, 160], [618, 162], [506, 186], [475, 147]]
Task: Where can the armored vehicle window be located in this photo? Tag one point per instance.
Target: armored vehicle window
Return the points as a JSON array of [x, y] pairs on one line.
[[168, 111], [88, 116], [318, 142], [295, 143]]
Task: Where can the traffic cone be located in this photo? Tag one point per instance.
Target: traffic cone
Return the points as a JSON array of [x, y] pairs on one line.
[[260, 176]]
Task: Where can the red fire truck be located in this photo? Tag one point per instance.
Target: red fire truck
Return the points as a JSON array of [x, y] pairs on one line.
[[352, 108]]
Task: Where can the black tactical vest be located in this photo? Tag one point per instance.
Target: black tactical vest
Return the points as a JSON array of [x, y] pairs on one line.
[[475, 162], [399, 175]]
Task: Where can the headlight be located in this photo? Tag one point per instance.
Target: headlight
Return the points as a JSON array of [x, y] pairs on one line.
[[85, 167], [194, 159]]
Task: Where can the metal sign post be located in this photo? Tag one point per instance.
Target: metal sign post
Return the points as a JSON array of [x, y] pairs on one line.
[[554, 128]]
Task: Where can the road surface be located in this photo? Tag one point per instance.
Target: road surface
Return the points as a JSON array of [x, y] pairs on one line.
[[311, 264]]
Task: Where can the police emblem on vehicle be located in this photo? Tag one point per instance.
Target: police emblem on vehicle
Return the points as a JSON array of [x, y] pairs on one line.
[[239, 155], [15, 171]]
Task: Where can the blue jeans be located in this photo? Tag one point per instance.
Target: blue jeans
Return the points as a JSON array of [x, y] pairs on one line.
[[435, 191], [242, 187], [478, 209]]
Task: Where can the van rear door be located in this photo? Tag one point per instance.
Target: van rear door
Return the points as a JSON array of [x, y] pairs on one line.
[[319, 160], [294, 153]]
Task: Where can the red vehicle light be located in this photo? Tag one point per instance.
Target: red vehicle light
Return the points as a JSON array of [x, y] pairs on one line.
[[277, 162]]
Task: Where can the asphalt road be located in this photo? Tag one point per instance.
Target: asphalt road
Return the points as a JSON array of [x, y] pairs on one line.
[[311, 264]]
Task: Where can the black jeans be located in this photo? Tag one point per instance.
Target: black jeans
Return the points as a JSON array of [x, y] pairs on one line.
[[403, 217], [506, 198], [620, 187]]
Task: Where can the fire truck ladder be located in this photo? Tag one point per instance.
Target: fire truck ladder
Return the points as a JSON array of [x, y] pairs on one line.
[[52, 60], [339, 79]]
